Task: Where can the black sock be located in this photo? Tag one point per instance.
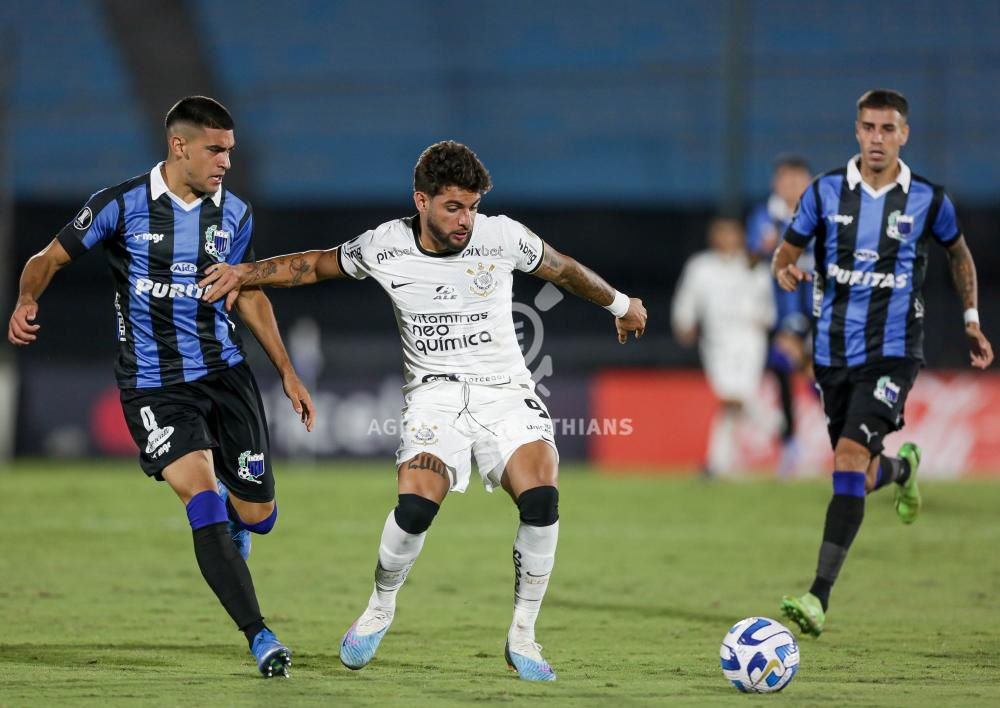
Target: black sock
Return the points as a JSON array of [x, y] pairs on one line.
[[891, 469], [843, 519], [227, 574], [787, 411]]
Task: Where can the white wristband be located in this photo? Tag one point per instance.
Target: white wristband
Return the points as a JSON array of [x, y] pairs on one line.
[[619, 306], [971, 316]]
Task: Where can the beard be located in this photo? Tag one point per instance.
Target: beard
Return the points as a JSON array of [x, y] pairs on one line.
[[440, 237]]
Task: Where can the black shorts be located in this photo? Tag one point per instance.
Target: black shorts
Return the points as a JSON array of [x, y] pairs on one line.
[[865, 403], [222, 412]]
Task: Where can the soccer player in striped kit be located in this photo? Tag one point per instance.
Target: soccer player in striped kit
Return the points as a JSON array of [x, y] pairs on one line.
[[872, 222], [190, 400]]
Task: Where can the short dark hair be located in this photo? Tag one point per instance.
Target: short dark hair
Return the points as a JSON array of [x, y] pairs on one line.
[[791, 161], [201, 111], [450, 164], [884, 98]]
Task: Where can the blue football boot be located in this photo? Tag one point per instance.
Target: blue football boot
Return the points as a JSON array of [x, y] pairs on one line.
[[525, 657], [241, 537], [358, 646], [273, 657]]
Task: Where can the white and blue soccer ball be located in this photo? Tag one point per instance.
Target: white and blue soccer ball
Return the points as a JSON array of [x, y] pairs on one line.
[[759, 655]]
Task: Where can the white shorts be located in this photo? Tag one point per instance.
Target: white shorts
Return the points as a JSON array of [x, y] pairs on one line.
[[458, 421], [735, 369]]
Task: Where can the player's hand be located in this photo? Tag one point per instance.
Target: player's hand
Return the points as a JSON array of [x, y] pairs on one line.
[[980, 349], [790, 276], [633, 321], [21, 331], [221, 279], [300, 398]]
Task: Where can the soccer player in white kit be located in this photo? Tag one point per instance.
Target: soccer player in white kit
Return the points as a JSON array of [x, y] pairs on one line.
[[448, 272], [725, 303]]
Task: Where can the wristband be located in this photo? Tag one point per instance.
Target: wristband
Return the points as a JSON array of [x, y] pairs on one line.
[[619, 306], [971, 316]]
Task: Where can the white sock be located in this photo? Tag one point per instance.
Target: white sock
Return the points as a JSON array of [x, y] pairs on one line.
[[534, 556], [721, 443], [396, 553]]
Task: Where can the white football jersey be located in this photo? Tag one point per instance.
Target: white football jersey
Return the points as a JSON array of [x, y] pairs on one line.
[[726, 297], [453, 310]]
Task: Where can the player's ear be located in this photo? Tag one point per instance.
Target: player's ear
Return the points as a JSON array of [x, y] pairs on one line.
[[176, 143], [421, 200], [904, 133]]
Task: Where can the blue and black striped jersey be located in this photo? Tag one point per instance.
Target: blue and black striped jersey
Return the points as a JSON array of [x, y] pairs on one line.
[[158, 248], [871, 260]]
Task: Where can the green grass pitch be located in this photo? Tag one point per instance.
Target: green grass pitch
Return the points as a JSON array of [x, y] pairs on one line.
[[102, 603]]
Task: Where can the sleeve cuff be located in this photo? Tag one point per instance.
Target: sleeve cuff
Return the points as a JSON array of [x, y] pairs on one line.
[[74, 246], [795, 238]]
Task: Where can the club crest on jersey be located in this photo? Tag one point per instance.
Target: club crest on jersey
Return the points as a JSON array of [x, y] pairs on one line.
[[900, 225], [251, 466], [217, 242], [483, 282], [424, 434], [886, 391]]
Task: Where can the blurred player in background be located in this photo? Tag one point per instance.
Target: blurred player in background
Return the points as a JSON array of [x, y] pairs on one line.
[[789, 347], [448, 272], [189, 398], [872, 223], [724, 303]]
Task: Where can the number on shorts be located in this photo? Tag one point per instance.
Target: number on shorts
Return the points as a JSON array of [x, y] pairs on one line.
[[536, 406]]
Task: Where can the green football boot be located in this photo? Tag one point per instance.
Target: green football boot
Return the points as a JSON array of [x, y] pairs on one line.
[[806, 612], [908, 494]]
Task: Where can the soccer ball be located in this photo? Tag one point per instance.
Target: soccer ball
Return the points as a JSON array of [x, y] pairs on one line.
[[759, 655]]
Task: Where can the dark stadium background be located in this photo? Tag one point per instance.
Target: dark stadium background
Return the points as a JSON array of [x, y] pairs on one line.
[[613, 131]]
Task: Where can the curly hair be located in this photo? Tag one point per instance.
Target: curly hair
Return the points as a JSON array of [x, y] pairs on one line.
[[450, 164]]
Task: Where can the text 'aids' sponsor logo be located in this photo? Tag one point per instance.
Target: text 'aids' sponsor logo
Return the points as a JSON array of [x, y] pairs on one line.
[[867, 278], [424, 434], [157, 435], [145, 286], [900, 225], [866, 254], [251, 466], [183, 268], [841, 219], [83, 219], [483, 252], [446, 293], [886, 391], [386, 254], [483, 282], [152, 238], [218, 242]]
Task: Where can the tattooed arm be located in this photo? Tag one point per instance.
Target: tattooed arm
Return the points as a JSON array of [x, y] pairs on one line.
[[573, 276], [963, 273], [281, 272]]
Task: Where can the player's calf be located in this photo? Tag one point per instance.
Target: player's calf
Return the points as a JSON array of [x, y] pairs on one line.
[[534, 558]]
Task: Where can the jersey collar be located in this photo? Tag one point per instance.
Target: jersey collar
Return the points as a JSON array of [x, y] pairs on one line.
[[414, 223], [158, 188], [854, 177]]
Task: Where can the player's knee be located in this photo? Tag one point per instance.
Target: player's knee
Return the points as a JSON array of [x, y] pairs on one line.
[[851, 454], [206, 508], [265, 524], [539, 506], [414, 513]]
